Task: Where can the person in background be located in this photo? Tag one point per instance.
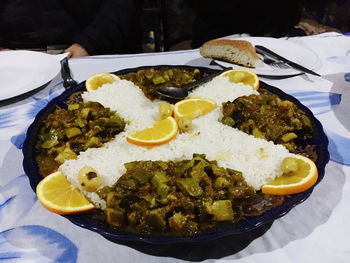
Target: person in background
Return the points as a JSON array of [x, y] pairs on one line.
[[273, 18], [220, 18], [325, 16], [80, 27]]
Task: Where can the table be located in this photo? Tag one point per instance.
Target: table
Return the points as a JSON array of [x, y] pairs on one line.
[[317, 230]]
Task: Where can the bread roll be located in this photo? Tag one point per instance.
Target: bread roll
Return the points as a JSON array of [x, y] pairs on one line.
[[234, 51]]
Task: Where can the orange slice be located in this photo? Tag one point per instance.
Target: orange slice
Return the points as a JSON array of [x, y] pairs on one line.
[[192, 108], [244, 76], [97, 80], [304, 177], [160, 133], [58, 195]]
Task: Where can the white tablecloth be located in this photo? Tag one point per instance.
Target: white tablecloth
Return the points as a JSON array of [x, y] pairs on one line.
[[317, 230]]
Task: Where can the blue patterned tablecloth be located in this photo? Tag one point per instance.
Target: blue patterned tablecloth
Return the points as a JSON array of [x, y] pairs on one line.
[[317, 230]]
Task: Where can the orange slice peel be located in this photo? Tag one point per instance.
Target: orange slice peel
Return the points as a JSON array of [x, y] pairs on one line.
[[193, 108], [301, 180], [244, 76], [161, 132], [58, 195], [96, 81]]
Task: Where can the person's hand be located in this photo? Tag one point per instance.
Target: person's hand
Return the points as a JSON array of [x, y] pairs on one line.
[[312, 27], [4, 49], [76, 51]]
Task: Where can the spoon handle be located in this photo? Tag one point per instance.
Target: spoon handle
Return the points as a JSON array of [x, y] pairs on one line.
[[204, 80], [68, 81]]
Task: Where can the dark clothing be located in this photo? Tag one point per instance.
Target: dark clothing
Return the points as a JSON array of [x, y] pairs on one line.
[[220, 18], [100, 26]]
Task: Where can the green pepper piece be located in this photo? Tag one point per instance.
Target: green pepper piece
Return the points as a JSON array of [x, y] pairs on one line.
[[72, 132], [111, 200], [49, 144], [80, 122], [162, 191], [274, 133], [170, 73], [190, 186], [258, 134], [130, 165], [148, 74], [197, 172], [186, 76], [93, 142], [182, 168], [141, 175], [306, 121], [218, 171], [103, 193], [177, 221], [159, 178], [115, 217], [116, 121], [159, 181], [289, 136], [163, 165], [228, 121], [221, 182], [221, 210], [286, 103], [73, 106], [84, 113], [166, 76], [66, 154], [156, 219], [128, 183], [158, 80]]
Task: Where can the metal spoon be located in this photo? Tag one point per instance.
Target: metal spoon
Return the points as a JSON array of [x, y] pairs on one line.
[[181, 93]]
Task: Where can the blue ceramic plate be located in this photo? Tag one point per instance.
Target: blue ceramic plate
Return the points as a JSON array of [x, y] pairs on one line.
[[319, 139]]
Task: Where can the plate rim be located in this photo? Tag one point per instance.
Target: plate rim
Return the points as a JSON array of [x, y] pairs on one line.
[[114, 235], [48, 75], [292, 73]]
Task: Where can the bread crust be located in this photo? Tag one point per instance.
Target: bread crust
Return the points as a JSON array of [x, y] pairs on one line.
[[239, 52]]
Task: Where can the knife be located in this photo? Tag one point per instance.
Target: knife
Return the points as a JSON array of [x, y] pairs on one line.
[[266, 51]]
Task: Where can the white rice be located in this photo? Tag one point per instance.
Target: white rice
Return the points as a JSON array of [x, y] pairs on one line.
[[257, 159], [221, 89], [128, 100]]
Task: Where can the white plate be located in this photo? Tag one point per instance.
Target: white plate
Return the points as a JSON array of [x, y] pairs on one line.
[[293, 51], [22, 71]]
